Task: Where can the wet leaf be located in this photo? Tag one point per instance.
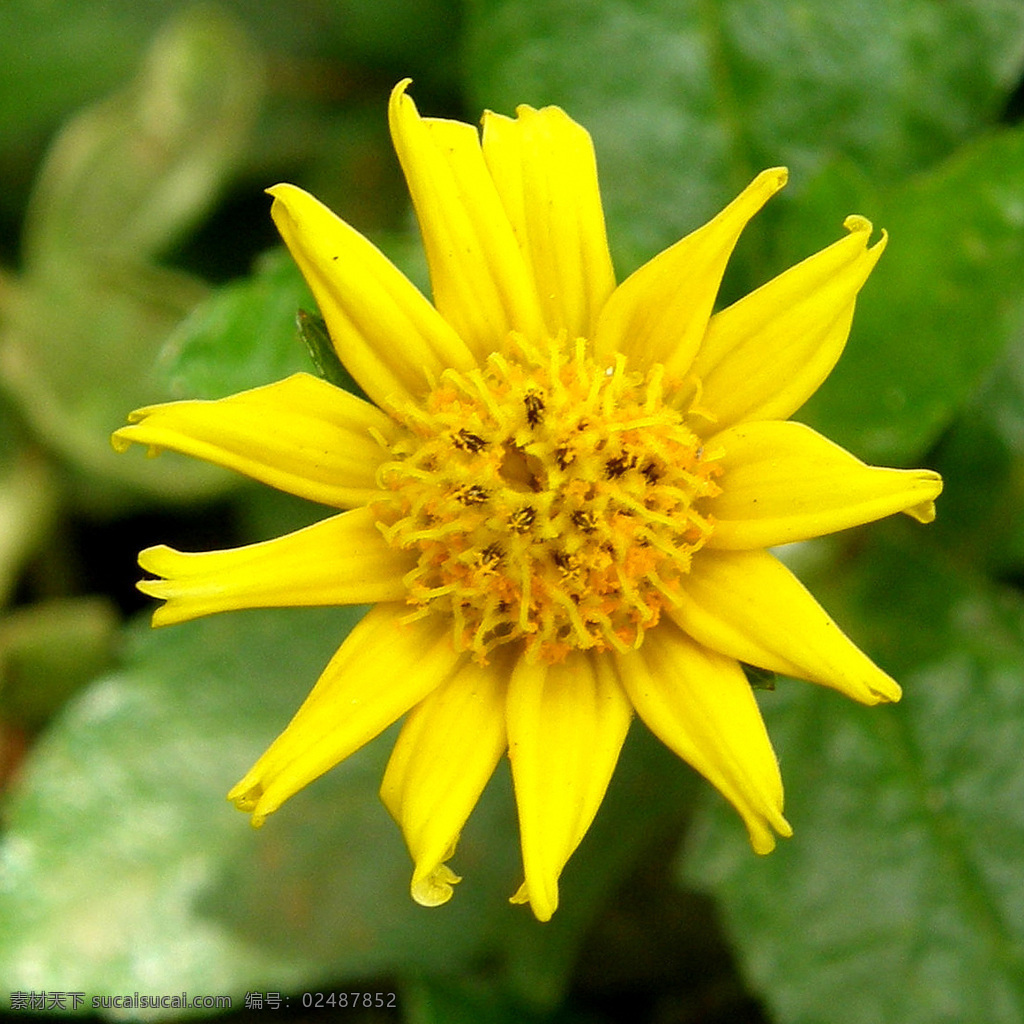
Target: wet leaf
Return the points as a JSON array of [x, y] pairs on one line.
[[940, 308], [687, 101], [897, 897]]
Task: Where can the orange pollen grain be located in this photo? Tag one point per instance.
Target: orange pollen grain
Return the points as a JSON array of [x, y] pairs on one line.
[[549, 499]]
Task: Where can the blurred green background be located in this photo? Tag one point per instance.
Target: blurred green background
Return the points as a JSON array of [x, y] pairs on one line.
[[138, 263]]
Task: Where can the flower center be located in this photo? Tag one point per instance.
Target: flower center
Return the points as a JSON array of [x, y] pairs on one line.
[[551, 500]]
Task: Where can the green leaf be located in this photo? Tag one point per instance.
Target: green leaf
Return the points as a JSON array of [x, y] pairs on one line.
[[406, 34], [941, 306], [897, 898], [867, 103], [648, 800], [637, 76], [123, 868], [28, 498], [313, 330], [82, 327], [981, 458], [79, 355], [50, 649], [119, 826], [759, 678], [430, 1000], [242, 336], [130, 174], [43, 77], [362, 922], [893, 87], [687, 101], [261, 329]]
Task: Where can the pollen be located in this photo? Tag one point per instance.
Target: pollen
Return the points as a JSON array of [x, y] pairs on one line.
[[549, 499]]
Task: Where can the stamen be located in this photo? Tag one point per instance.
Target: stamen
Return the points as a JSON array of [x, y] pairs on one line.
[[552, 501]]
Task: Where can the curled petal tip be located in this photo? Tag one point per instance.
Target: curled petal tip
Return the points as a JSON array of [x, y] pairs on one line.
[[247, 794], [247, 801], [399, 98], [856, 224], [930, 487], [124, 437], [763, 839], [543, 912], [284, 191], [774, 177], [767, 183], [435, 887], [244, 797], [887, 691], [923, 513]]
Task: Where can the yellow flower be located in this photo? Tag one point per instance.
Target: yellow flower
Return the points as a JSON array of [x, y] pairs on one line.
[[560, 503]]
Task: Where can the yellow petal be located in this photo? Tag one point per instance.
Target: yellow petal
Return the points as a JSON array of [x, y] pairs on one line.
[[766, 354], [700, 705], [448, 748], [749, 606], [342, 560], [784, 482], [301, 435], [382, 669], [384, 330], [660, 312], [566, 725], [545, 171], [481, 283]]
